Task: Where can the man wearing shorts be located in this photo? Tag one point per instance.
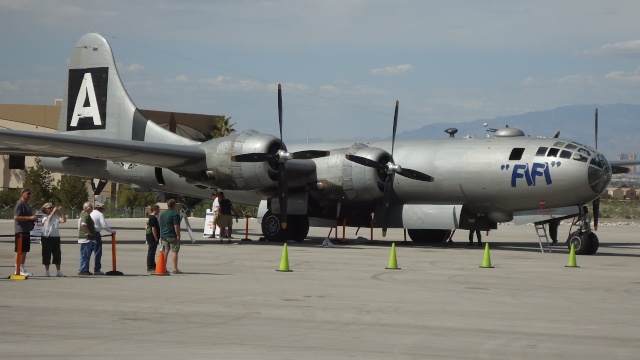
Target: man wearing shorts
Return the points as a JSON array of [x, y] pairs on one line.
[[170, 234]]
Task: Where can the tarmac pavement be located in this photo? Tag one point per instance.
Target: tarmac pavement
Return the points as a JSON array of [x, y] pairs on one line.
[[337, 303]]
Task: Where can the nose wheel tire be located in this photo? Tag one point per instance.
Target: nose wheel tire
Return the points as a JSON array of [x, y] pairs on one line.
[[586, 243]]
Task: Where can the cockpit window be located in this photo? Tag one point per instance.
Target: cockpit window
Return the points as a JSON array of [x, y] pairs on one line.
[[580, 157], [565, 154], [584, 151], [598, 161], [590, 148], [559, 143], [516, 154], [553, 152], [541, 151], [571, 146]]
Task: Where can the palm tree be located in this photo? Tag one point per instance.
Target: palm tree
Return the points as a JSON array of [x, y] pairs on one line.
[[224, 128]]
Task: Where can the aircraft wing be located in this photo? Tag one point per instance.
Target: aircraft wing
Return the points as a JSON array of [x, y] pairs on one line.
[[620, 166], [54, 144]]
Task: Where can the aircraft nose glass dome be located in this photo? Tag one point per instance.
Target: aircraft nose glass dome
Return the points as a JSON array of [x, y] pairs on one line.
[[599, 174]]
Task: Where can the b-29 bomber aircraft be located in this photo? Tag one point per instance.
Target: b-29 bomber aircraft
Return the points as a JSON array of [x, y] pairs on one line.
[[429, 187]]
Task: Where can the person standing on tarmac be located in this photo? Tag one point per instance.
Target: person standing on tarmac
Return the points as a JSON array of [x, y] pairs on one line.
[[97, 215], [24, 222], [170, 233], [86, 236], [51, 237], [225, 221], [477, 231], [553, 230], [153, 237]]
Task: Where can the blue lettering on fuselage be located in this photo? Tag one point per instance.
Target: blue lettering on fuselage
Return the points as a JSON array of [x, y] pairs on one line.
[[530, 175]]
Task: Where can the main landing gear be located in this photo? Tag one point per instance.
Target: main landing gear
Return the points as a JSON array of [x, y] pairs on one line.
[[297, 229], [429, 236]]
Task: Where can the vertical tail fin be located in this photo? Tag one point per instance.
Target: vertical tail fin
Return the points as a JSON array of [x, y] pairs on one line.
[[96, 102]]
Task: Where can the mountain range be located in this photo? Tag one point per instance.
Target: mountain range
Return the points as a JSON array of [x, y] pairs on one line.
[[618, 126]]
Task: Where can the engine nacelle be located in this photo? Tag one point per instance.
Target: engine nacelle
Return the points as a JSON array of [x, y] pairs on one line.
[[228, 174], [342, 179]]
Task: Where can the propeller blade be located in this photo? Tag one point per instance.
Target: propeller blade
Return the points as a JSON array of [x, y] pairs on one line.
[[310, 154], [415, 175], [596, 213], [557, 135], [386, 201], [280, 114], [395, 126], [283, 192], [365, 162], [253, 157], [596, 132]]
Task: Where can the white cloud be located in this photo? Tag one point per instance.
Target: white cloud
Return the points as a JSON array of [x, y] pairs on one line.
[[133, 68], [627, 77], [576, 79], [626, 48], [396, 69], [182, 78]]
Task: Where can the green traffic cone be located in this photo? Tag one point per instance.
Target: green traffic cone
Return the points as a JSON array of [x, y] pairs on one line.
[[572, 257], [393, 262], [486, 262], [284, 261]]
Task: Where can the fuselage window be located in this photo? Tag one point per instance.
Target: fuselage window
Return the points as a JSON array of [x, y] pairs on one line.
[[571, 146], [516, 154], [553, 152], [542, 150], [565, 154]]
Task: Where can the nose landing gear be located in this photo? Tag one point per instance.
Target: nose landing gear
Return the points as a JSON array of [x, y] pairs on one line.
[[584, 240]]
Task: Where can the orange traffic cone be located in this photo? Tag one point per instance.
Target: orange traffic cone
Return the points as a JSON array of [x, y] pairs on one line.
[[161, 265]]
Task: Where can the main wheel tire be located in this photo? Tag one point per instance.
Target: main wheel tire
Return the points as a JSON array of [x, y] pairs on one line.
[[298, 227], [594, 243], [429, 236], [271, 227], [580, 242]]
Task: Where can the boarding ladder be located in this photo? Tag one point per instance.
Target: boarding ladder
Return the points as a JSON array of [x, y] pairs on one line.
[[541, 230]]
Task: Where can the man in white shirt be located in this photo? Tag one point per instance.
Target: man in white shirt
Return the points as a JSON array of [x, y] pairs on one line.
[[100, 223], [214, 207]]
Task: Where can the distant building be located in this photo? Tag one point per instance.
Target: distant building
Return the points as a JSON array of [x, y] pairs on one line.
[[630, 194], [623, 193]]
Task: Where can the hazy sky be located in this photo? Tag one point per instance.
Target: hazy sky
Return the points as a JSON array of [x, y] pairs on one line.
[[342, 63]]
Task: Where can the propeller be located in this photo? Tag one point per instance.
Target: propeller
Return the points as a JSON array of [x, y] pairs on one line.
[[596, 202], [281, 156], [391, 169]]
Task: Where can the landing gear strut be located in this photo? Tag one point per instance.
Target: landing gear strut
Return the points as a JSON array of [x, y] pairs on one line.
[[584, 240]]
